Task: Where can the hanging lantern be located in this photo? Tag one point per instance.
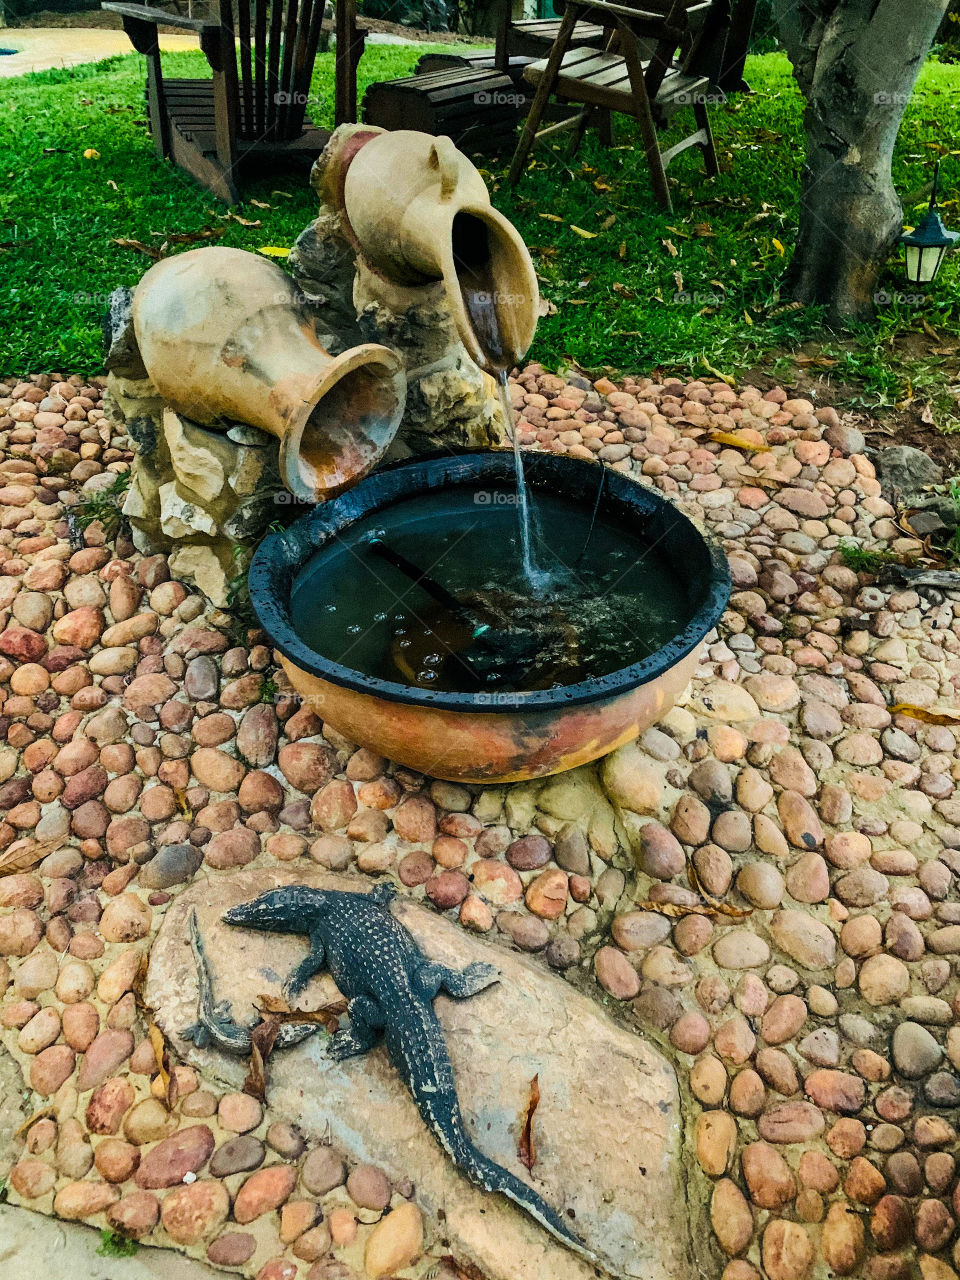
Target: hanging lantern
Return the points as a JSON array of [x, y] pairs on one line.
[[926, 245]]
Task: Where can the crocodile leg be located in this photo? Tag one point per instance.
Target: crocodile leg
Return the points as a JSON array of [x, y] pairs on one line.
[[366, 1020], [304, 971], [459, 983]]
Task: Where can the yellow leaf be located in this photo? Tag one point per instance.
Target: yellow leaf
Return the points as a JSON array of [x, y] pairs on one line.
[[923, 714], [723, 377], [748, 317], [622, 251], [737, 442], [274, 251], [587, 235], [778, 246], [550, 217], [258, 204], [91, 154], [159, 1053]]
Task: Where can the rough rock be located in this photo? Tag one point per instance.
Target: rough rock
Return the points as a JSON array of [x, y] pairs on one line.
[[590, 1073]]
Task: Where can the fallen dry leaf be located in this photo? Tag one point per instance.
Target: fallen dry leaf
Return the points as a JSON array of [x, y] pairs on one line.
[[244, 222], [24, 854], [148, 250], [525, 1148], [262, 1040], [736, 442], [723, 377], [189, 237], [167, 1079], [815, 362], [670, 247], [586, 235], [31, 1120], [180, 796], [676, 910], [325, 1016], [723, 908], [924, 714]]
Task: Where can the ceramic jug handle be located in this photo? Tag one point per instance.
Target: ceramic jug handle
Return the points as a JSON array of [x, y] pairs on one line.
[[446, 157]]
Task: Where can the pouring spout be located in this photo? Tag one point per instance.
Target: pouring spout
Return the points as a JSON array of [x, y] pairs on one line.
[[417, 211]]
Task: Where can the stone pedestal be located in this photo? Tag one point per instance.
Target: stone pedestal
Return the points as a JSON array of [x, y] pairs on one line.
[[450, 401], [201, 494]]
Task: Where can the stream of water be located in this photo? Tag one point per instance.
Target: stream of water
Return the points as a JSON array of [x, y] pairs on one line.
[[480, 294], [538, 578]]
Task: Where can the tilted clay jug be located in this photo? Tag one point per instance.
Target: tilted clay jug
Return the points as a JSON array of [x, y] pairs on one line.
[[417, 210], [225, 338]]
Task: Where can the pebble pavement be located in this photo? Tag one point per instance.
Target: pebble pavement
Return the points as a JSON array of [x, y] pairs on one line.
[[794, 845]]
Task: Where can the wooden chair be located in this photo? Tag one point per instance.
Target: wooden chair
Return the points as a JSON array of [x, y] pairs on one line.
[[646, 70], [535, 37], [210, 127]]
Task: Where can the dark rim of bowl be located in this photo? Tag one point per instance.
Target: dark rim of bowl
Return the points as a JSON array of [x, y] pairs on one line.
[[280, 557]]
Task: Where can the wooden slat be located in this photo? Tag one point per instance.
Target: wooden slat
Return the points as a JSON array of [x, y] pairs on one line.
[[260, 68], [306, 54], [273, 69], [243, 34], [290, 32]]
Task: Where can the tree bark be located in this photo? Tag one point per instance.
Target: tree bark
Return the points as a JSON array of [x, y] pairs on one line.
[[856, 62]]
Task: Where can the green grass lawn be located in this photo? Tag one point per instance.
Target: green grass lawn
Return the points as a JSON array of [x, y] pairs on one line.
[[630, 287]]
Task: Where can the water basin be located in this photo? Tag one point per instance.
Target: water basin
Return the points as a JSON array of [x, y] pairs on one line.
[[473, 672]]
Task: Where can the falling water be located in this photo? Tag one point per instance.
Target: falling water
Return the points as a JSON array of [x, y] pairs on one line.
[[538, 578], [479, 295]]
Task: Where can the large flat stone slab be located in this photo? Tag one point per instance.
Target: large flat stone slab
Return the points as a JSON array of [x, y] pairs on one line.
[[607, 1130]]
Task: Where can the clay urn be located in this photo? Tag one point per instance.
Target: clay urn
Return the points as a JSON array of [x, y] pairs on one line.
[[225, 338], [417, 211]]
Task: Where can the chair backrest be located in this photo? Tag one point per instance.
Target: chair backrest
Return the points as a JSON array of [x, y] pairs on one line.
[[663, 31], [277, 41]]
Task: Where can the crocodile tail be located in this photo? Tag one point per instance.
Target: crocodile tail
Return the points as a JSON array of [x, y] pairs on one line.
[[491, 1176]]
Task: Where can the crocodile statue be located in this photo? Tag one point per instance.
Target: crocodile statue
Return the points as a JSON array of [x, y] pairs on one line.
[[389, 985]]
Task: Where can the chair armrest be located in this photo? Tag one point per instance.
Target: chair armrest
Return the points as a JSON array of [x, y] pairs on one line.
[[147, 13]]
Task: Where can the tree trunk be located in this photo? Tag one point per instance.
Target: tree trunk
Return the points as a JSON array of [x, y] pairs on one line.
[[856, 62]]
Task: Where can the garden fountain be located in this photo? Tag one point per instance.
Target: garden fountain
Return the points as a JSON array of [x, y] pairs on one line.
[[474, 615]]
